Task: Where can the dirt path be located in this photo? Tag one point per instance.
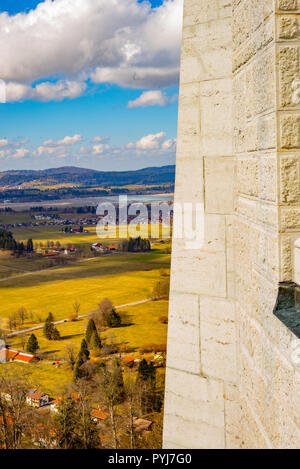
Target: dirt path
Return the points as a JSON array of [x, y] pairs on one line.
[[62, 321]]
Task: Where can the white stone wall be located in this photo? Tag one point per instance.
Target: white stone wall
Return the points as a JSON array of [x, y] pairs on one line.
[[202, 360], [231, 377]]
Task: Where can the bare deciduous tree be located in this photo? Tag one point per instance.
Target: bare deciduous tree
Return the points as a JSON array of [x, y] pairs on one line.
[[71, 355], [76, 307]]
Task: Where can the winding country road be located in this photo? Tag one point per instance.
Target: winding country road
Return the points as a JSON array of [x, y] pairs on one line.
[[62, 321]]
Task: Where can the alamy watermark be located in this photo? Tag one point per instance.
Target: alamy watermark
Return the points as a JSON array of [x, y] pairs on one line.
[[153, 220]]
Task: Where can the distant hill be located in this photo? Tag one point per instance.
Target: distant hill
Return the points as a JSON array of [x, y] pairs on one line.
[[70, 174]]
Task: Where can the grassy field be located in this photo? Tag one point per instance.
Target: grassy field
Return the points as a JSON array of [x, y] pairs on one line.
[[123, 278], [8, 218], [55, 233], [145, 328]]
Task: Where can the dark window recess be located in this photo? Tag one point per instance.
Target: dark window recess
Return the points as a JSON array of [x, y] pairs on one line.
[[287, 308]]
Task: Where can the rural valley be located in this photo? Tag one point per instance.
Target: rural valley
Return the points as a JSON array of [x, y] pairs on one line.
[[83, 323]]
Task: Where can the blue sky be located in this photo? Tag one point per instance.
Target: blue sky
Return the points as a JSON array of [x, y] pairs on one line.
[[94, 87]]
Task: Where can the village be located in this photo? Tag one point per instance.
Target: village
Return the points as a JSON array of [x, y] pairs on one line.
[[45, 404]]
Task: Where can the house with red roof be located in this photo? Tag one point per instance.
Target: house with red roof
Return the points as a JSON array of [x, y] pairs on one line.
[[128, 361], [37, 399], [10, 355], [100, 415], [56, 402]]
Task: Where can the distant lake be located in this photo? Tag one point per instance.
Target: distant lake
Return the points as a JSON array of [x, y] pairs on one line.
[[88, 201]]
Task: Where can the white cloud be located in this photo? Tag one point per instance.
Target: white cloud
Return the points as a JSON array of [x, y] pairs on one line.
[[151, 98], [20, 153], [153, 143], [116, 41], [46, 91], [150, 142], [100, 149], [58, 147]]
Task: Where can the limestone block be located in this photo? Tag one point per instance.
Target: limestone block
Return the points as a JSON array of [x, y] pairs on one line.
[[288, 27], [219, 184], [247, 176], [218, 339], [203, 269], [258, 212], [196, 12], [253, 435], [268, 8], [184, 333], [189, 119], [266, 132], [267, 175], [216, 117], [207, 55], [194, 411], [266, 260], [187, 168], [232, 416], [290, 131], [264, 82], [286, 268], [288, 72], [241, 25], [290, 218], [230, 255], [297, 261], [258, 134], [257, 42], [290, 178], [181, 433], [288, 5]]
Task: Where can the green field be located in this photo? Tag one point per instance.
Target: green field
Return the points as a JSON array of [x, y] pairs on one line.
[[121, 277], [145, 329]]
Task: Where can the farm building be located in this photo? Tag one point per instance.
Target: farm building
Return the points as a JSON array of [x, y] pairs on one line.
[[11, 355], [37, 399]]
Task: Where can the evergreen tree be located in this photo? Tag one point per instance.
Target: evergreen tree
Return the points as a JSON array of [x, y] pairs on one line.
[[143, 370], [95, 342], [50, 331], [83, 356], [113, 319], [77, 371], [65, 424], [32, 344], [29, 247], [90, 330], [146, 381], [117, 377], [84, 351]]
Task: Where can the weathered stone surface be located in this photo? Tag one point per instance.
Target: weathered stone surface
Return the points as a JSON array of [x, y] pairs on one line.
[[289, 70], [195, 411], [219, 184], [184, 333], [290, 131], [233, 370], [290, 178], [288, 5], [288, 27]]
